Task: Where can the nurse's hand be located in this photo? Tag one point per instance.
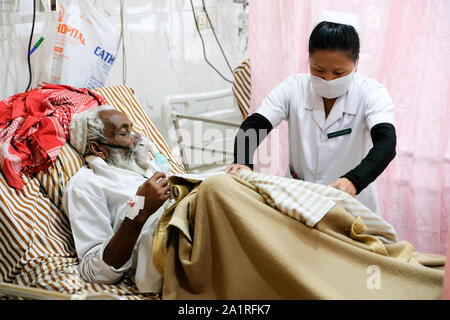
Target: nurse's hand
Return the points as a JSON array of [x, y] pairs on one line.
[[345, 185], [234, 168]]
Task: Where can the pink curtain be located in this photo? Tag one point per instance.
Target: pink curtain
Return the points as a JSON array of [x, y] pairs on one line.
[[405, 44]]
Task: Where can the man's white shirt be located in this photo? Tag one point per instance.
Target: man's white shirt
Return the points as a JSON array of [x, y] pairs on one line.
[[95, 201]]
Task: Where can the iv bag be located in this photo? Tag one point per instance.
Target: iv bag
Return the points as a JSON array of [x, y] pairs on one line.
[[86, 45]]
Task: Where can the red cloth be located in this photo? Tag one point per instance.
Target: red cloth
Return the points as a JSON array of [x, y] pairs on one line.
[[34, 125]]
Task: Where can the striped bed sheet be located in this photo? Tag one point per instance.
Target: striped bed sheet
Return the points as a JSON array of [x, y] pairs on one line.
[[241, 87], [36, 244]]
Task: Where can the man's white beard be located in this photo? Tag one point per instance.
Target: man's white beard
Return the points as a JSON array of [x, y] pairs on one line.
[[135, 163]]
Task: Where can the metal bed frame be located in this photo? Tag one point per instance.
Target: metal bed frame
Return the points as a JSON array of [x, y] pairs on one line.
[[188, 103], [9, 289]]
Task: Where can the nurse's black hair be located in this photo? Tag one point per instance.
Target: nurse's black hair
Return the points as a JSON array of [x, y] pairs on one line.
[[335, 36]]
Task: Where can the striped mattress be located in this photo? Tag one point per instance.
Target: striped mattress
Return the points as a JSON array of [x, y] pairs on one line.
[[241, 87], [36, 245]]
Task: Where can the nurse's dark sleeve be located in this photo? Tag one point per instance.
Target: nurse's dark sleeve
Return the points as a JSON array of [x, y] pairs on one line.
[[383, 151], [250, 134]]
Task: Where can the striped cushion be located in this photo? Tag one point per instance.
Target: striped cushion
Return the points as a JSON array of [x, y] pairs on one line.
[[54, 179], [241, 87], [36, 244]]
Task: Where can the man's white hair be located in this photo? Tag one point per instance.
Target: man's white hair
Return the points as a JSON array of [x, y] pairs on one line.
[[86, 126]]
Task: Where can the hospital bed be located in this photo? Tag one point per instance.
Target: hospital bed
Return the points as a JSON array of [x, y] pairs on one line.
[[38, 259]]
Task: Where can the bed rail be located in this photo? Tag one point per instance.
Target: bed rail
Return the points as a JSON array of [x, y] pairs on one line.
[[189, 106], [9, 289]]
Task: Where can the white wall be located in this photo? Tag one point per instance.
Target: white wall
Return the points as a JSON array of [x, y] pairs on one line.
[[163, 50]]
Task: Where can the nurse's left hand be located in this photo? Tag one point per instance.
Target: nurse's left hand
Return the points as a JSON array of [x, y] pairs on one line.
[[345, 185]]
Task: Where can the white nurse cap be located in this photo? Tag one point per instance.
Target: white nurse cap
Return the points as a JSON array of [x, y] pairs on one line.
[[350, 19]]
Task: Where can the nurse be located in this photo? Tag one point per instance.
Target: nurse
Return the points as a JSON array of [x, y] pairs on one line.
[[341, 125]]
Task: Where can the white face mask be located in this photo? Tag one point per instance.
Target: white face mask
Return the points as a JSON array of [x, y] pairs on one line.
[[333, 88]]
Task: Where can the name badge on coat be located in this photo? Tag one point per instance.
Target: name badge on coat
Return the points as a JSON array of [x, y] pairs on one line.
[[339, 133]]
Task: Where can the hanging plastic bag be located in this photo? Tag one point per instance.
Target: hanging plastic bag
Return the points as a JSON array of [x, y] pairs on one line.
[[85, 47]]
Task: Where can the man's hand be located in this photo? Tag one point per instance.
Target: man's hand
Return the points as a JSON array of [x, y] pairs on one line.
[[156, 192], [345, 185], [234, 168]]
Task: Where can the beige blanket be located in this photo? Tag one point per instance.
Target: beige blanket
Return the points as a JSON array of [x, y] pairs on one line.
[[221, 240]]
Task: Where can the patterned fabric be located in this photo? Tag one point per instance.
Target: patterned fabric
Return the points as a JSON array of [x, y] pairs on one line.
[[36, 244], [34, 126], [309, 202], [241, 87]]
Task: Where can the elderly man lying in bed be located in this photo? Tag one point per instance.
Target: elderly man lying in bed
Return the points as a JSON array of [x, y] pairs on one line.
[[243, 236], [100, 200]]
